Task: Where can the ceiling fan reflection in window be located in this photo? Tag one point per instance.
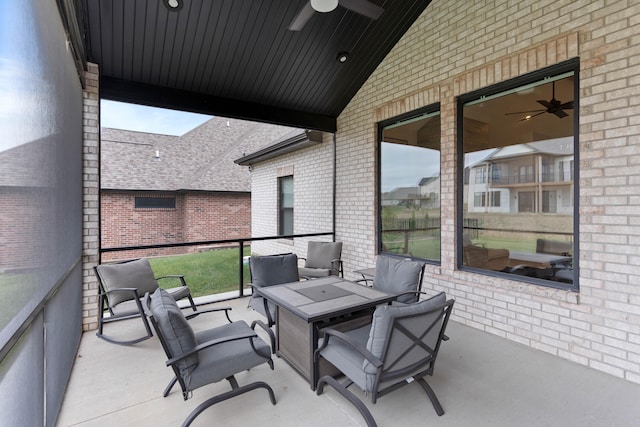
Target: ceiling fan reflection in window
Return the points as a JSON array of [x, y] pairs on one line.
[[363, 7], [553, 106]]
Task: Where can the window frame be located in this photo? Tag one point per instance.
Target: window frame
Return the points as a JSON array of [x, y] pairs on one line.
[[169, 206], [281, 208], [428, 109], [572, 65]]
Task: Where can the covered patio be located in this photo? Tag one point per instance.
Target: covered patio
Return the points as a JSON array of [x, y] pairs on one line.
[[480, 379], [521, 352]]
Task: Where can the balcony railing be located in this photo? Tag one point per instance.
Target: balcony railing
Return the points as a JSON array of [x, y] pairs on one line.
[[527, 179], [241, 242]]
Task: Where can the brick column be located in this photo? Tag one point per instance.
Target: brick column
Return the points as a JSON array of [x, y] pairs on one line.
[[91, 197]]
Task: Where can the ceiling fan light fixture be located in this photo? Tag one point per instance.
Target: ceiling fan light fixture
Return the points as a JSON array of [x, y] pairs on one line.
[[324, 6]]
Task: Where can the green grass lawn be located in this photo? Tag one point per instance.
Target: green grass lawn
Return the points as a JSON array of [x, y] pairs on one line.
[[206, 273], [16, 289]]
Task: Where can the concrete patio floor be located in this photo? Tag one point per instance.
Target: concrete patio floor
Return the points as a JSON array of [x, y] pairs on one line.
[[480, 379]]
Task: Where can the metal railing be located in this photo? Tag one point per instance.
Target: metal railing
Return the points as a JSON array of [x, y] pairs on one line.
[[241, 242]]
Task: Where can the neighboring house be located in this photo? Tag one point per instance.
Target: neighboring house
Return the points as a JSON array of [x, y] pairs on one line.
[[429, 192], [311, 180], [26, 181], [528, 178], [405, 196], [158, 189]]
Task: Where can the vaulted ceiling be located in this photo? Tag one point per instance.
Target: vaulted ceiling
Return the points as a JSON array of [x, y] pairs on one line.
[[237, 58]]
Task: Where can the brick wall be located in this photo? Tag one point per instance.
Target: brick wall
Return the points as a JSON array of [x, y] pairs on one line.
[[217, 216], [457, 47], [198, 216], [90, 202], [22, 243]]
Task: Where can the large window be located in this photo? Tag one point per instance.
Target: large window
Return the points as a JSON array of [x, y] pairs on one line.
[[517, 205], [285, 205], [409, 193]]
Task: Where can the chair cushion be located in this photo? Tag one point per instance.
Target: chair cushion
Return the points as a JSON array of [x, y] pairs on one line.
[[223, 360], [381, 326], [383, 320], [320, 254], [175, 330], [314, 272], [179, 292], [345, 358], [133, 274], [375, 337], [395, 275], [273, 269]]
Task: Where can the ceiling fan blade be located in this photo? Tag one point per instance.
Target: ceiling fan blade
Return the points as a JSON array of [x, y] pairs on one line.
[[545, 104], [567, 105], [523, 112], [363, 7], [301, 18], [560, 114], [524, 119]]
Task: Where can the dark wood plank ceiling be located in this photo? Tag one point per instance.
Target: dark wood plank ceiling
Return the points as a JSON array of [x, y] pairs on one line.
[[236, 58]]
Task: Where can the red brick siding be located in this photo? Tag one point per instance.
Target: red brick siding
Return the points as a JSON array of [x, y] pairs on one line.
[[22, 240], [198, 216], [218, 216]]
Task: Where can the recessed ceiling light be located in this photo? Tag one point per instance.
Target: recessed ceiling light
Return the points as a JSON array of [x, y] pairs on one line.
[[173, 5], [342, 57]]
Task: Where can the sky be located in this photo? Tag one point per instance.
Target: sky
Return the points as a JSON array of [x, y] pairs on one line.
[[141, 118], [404, 166]]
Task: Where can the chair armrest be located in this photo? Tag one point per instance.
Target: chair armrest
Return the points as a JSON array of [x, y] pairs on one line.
[[174, 276], [211, 310], [270, 321], [366, 282], [211, 343], [332, 333], [336, 264], [133, 291]]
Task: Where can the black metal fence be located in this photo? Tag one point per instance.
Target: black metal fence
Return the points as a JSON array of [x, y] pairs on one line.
[[240, 242]]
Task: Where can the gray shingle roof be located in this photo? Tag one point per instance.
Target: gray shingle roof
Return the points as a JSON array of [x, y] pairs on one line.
[[201, 159]]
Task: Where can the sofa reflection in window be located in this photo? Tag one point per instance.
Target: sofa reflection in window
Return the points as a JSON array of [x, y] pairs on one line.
[[486, 258]]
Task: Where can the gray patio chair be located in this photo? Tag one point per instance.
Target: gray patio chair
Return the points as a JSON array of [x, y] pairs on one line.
[[208, 356], [270, 270], [323, 259], [121, 287], [398, 275], [399, 346]]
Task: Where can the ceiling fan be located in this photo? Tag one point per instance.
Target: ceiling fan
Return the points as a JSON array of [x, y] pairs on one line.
[[553, 106], [363, 7]]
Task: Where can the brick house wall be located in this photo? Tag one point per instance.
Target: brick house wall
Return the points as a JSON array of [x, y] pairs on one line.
[[312, 170], [458, 47], [225, 215], [198, 216], [17, 249]]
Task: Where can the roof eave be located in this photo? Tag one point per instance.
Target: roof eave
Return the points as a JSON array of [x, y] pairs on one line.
[[305, 139]]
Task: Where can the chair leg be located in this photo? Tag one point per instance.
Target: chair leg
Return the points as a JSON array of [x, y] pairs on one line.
[[145, 322], [347, 395], [167, 389], [193, 304], [432, 396], [236, 391]]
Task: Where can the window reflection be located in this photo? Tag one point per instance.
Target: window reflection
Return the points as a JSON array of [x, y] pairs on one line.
[[410, 187], [518, 210]]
